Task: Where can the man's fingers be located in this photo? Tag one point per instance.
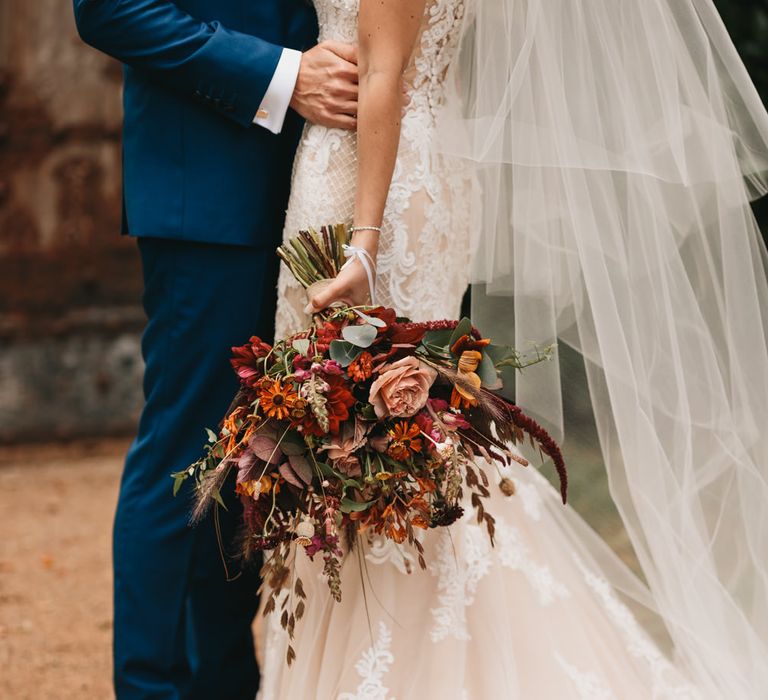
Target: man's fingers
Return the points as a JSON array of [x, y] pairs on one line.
[[348, 107], [342, 121], [346, 72], [346, 51]]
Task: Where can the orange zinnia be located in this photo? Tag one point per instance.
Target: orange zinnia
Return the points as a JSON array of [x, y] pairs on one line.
[[405, 440], [276, 399], [361, 368]]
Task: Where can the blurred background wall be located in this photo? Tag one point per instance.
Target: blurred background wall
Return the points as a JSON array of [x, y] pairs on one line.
[[69, 283], [70, 318]]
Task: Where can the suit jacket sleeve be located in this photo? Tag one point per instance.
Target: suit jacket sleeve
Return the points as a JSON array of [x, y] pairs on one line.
[[229, 70]]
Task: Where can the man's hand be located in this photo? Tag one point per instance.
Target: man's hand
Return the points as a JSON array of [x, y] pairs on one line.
[[326, 87]]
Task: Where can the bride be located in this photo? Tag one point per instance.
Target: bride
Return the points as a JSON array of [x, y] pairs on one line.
[[587, 165]]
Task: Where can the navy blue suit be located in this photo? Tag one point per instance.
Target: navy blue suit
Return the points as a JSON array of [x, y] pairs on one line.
[[205, 192]]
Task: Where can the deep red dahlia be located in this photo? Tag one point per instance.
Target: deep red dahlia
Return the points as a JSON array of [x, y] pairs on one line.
[[339, 401], [245, 360]]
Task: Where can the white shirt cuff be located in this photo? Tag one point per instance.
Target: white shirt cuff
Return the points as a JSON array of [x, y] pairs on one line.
[[274, 106]]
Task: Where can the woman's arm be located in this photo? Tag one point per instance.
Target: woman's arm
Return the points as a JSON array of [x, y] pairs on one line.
[[387, 32]]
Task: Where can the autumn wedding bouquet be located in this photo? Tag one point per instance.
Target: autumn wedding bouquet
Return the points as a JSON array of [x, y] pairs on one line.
[[364, 424]]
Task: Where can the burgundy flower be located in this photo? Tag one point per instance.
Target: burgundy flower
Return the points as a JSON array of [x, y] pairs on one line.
[[424, 421], [454, 420], [438, 405], [246, 360], [326, 334]]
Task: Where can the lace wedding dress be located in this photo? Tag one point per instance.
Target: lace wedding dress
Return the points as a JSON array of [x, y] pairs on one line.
[[532, 617]]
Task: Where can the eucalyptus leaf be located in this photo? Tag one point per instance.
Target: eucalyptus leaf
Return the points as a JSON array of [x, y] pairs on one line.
[[438, 351], [377, 322], [301, 345], [343, 352], [438, 339], [362, 336], [488, 373]]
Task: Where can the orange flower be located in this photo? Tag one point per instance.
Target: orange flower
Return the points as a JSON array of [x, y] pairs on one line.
[[467, 342], [361, 368], [276, 399], [461, 396], [232, 424], [255, 487], [405, 440], [467, 349], [299, 408]]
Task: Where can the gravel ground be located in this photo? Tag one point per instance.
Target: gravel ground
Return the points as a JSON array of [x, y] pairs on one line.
[[56, 507]]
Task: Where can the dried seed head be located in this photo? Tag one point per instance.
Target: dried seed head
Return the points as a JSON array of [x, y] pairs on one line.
[[507, 486]]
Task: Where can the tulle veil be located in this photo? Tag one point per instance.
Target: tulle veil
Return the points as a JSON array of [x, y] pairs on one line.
[[617, 145]]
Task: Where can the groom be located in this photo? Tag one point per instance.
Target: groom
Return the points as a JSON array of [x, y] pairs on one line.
[[208, 145]]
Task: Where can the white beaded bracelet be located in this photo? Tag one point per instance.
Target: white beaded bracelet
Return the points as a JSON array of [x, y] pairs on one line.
[[354, 229]]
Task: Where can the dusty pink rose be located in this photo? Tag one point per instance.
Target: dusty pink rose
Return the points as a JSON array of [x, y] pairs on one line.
[[402, 388], [341, 451]]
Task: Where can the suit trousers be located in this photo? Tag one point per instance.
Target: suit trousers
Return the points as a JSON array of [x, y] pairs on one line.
[[182, 630]]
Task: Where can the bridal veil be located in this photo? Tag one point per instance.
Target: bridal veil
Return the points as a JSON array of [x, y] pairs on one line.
[[617, 145]]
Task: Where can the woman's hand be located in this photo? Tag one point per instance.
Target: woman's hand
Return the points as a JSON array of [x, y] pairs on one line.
[[351, 286]]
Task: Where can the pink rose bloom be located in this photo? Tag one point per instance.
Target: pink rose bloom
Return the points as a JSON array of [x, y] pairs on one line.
[[341, 451], [402, 388]]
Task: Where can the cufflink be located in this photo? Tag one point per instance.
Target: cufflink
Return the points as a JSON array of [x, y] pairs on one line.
[[262, 114]]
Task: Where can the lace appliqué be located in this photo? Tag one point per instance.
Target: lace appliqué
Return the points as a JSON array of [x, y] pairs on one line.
[[586, 684], [513, 554], [383, 550], [458, 579], [529, 495], [373, 665], [667, 683]]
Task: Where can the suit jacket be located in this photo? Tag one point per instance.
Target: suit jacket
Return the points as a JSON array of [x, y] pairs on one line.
[[195, 167]]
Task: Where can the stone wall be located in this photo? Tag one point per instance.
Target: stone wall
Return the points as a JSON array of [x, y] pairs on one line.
[[69, 283]]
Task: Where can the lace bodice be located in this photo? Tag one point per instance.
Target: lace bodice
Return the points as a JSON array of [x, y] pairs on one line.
[[425, 219], [337, 20]]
